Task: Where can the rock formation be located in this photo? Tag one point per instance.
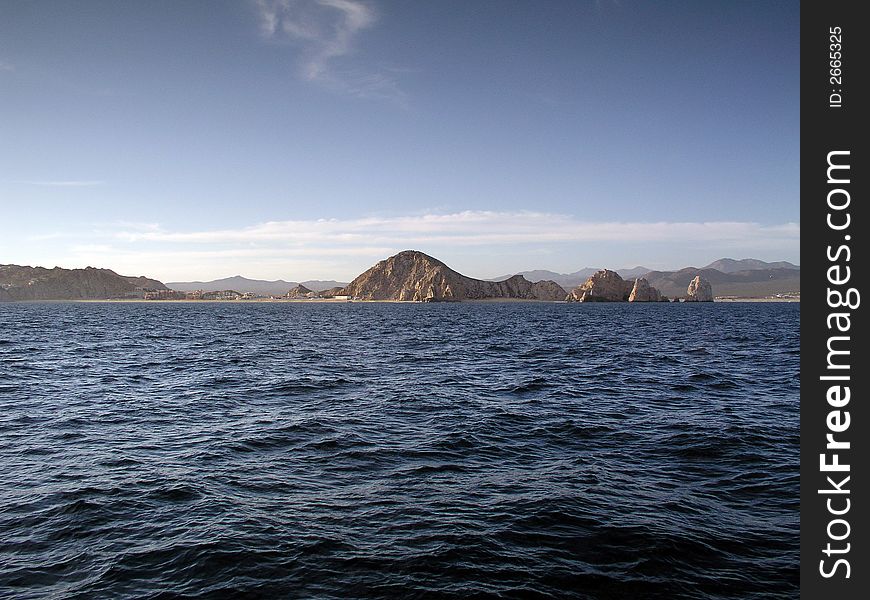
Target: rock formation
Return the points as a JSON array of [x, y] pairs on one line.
[[38, 283], [603, 286], [699, 290], [644, 292], [300, 292], [414, 276]]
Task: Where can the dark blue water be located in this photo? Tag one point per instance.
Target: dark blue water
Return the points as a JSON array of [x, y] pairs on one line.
[[399, 450]]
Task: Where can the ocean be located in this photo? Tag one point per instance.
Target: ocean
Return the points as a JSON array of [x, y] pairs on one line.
[[369, 450]]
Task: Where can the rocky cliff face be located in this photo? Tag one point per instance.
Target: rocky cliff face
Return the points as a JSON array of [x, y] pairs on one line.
[[37, 283], [642, 291], [414, 276], [603, 286], [699, 290]]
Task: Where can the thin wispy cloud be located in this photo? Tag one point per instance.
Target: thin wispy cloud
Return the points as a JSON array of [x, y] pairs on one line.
[[325, 31], [472, 228], [6, 65], [342, 248], [65, 183], [172, 264]]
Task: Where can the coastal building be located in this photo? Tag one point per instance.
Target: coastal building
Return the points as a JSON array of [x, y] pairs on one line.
[[163, 295], [222, 295]]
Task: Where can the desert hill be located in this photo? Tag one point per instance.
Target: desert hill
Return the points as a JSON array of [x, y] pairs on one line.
[[412, 275], [38, 283]]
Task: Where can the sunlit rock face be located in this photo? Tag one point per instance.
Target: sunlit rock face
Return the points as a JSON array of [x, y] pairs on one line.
[[699, 290], [417, 277], [603, 286], [643, 292]]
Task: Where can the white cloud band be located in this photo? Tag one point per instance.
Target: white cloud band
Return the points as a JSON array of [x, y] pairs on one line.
[[342, 248], [471, 228]]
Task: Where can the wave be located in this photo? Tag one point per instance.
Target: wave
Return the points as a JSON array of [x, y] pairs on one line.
[[347, 450]]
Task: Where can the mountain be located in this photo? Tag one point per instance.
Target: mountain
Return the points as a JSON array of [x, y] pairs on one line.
[[536, 275], [38, 283], [238, 283], [748, 283], [572, 280], [278, 287], [412, 275], [729, 265], [633, 273]]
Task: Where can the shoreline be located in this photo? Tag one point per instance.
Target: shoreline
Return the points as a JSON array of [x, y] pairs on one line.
[[333, 301], [784, 300]]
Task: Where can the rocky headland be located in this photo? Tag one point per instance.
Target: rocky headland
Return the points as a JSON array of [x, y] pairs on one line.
[[414, 276], [19, 283]]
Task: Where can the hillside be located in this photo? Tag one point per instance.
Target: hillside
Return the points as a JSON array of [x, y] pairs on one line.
[[412, 275], [38, 283]]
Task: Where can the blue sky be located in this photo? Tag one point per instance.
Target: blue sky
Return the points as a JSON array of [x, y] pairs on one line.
[[310, 139]]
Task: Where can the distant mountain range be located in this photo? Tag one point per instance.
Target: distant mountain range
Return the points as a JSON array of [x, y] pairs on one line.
[[749, 283], [725, 265], [729, 265], [279, 287], [570, 280]]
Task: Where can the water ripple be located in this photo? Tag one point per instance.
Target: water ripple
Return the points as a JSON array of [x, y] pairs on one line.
[[391, 450]]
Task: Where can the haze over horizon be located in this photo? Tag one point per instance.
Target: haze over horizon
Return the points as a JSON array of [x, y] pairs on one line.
[[311, 139]]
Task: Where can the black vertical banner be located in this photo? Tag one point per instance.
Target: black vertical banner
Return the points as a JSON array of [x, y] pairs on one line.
[[835, 437]]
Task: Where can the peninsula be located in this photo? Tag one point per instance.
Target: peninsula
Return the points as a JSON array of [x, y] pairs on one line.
[[417, 277], [21, 283]]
